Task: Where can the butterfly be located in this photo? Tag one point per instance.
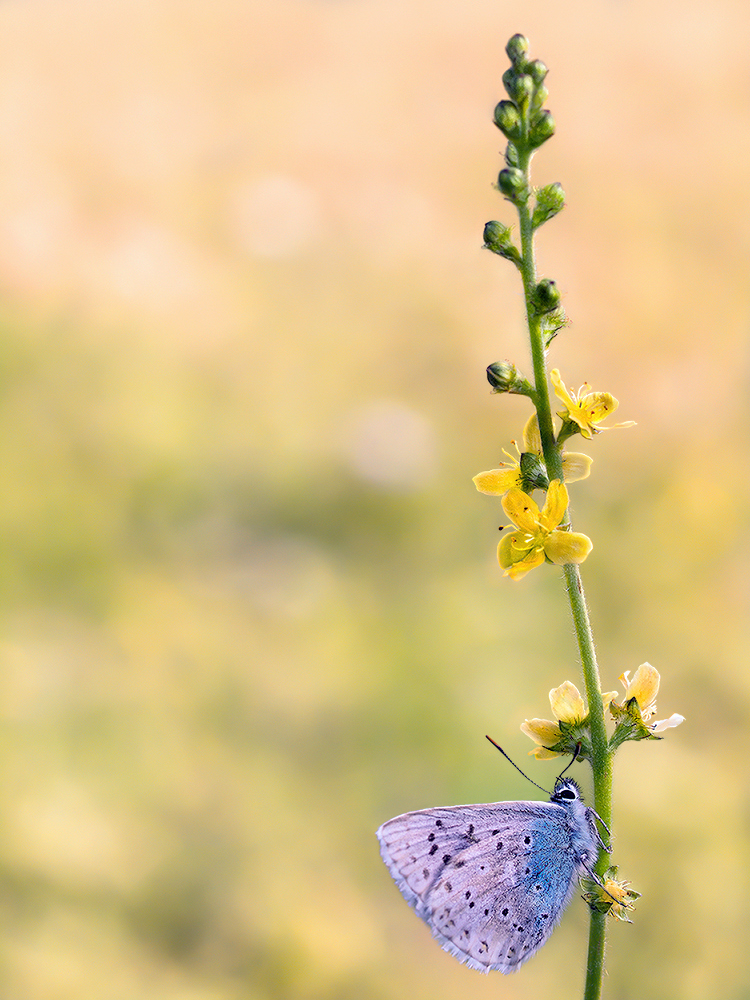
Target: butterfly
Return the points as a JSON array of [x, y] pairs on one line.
[[492, 881]]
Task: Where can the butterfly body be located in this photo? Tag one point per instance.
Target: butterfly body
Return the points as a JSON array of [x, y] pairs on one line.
[[492, 881]]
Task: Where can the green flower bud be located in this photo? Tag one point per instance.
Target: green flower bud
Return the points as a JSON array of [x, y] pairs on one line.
[[540, 96], [503, 376], [517, 48], [511, 155], [542, 129], [549, 201], [512, 184], [537, 71], [497, 238], [546, 296], [508, 120], [520, 86]]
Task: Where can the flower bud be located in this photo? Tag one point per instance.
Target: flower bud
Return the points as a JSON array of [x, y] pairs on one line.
[[542, 129], [517, 48], [546, 297], [503, 376], [537, 70], [508, 120], [497, 238], [512, 184], [520, 86], [540, 96], [549, 201]]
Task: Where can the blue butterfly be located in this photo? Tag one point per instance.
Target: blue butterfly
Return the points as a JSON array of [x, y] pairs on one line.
[[492, 881]]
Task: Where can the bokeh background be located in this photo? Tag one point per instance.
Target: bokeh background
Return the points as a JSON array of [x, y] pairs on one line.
[[250, 602]]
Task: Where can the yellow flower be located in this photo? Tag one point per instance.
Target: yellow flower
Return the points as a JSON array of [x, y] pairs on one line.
[[644, 687], [624, 898], [585, 408], [538, 537], [569, 708], [576, 466], [497, 482], [613, 896]]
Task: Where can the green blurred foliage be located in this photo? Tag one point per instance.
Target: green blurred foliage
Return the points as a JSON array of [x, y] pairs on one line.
[[251, 605]]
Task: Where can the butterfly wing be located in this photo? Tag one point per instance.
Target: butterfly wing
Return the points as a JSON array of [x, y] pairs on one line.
[[491, 881]]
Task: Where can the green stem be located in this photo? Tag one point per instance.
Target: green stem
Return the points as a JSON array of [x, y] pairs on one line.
[[552, 456], [601, 765], [601, 762]]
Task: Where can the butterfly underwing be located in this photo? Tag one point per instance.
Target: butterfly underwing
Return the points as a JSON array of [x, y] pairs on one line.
[[492, 881]]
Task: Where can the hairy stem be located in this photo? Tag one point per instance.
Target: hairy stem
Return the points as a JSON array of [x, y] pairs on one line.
[[601, 757]]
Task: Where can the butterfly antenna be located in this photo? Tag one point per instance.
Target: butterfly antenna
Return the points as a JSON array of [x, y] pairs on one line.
[[516, 766], [575, 758]]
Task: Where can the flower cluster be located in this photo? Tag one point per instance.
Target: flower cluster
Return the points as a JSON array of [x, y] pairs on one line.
[[541, 535], [569, 734]]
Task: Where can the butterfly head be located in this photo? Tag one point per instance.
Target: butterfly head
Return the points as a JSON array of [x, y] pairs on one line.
[[566, 792]]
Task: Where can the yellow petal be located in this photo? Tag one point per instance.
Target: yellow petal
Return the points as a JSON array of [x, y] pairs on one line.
[[555, 505], [567, 703], [516, 558], [496, 482], [596, 406], [542, 753], [520, 569], [522, 510], [563, 547], [576, 466], [584, 428], [532, 440], [560, 391], [541, 731], [644, 687]]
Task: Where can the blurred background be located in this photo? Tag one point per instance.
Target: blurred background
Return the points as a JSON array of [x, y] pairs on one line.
[[251, 607]]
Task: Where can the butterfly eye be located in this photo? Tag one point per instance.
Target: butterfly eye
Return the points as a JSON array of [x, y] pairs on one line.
[[566, 793]]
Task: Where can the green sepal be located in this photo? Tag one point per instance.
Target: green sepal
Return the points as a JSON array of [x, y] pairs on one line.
[[568, 429], [552, 324], [629, 724], [575, 735], [549, 200], [533, 472]]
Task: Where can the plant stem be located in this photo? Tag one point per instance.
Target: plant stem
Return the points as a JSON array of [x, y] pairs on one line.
[[552, 456], [601, 762]]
